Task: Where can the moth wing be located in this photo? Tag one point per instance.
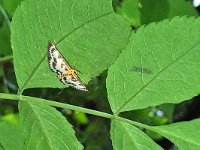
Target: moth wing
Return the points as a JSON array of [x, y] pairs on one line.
[[59, 65], [74, 82], [56, 61]]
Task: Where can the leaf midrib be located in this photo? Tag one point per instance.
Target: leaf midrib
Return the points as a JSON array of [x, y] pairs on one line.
[[23, 87], [131, 98]]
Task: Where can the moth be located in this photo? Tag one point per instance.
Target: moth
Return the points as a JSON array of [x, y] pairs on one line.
[[63, 70]]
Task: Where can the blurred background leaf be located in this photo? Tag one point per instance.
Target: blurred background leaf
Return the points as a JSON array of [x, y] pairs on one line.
[[10, 5], [1, 71], [5, 48], [7, 8], [140, 12], [130, 10], [157, 10], [80, 117]]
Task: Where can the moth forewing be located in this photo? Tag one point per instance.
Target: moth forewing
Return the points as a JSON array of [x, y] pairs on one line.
[[56, 62]]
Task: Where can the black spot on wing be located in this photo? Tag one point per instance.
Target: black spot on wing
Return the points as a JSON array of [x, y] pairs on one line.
[[49, 59], [52, 50], [54, 59], [72, 85], [54, 65], [64, 81], [50, 45], [80, 86]]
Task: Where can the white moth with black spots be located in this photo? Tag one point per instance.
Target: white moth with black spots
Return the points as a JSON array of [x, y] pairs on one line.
[[61, 67]]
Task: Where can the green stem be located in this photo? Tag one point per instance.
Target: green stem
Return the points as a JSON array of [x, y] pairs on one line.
[[5, 15], [9, 96], [71, 107], [68, 106], [6, 58], [55, 104]]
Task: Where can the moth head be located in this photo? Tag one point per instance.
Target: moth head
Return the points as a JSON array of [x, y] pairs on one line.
[[71, 72]]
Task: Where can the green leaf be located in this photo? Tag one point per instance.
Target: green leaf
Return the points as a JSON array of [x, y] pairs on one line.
[[45, 128], [127, 137], [130, 10], [1, 71], [156, 10], [11, 118], [181, 7], [11, 137], [11, 6], [80, 117], [160, 65], [88, 34], [185, 135]]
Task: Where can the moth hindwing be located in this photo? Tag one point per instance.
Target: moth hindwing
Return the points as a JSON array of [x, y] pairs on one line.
[[63, 70]]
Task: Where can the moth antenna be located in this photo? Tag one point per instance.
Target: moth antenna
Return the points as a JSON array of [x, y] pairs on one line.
[[61, 91], [81, 72]]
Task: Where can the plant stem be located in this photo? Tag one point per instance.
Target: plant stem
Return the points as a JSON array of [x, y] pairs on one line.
[[5, 15], [6, 58], [9, 96], [71, 107], [68, 106], [55, 104]]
